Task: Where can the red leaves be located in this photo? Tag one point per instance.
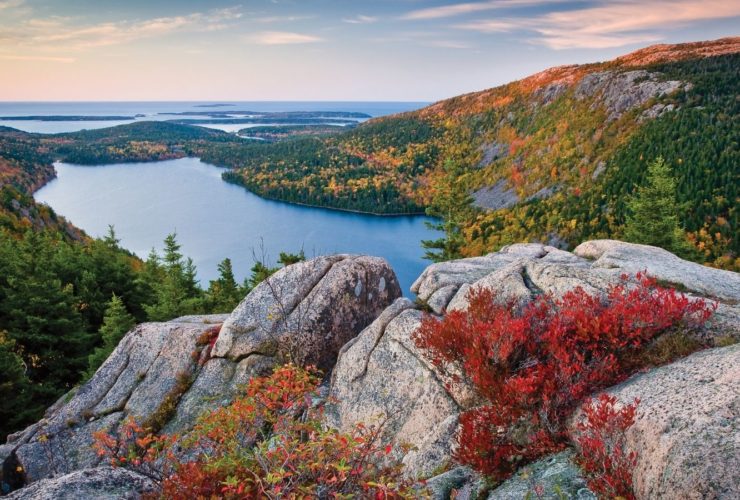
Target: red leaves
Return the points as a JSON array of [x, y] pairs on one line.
[[535, 365], [601, 440], [268, 443]]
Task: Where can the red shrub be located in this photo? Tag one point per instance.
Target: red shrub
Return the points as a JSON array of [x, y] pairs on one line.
[[269, 443], [602, 456], [535, 365]]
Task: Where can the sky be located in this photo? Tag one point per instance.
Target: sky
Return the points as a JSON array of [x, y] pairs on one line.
[[331, 50]]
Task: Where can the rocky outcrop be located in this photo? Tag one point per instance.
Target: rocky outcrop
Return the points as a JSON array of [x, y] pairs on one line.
[[495, 197], [309, 311], [345, 312], [103, 483], [687, 429], [633, 258], [626, 90], [167, 374], [556, 477], [382, 376], [492, 151]]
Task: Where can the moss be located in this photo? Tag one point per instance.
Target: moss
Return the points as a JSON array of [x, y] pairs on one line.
[[423, 305], [166, 410], [725, 340], [668, 348]]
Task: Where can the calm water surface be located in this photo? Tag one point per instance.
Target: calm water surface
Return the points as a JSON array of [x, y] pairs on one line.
[[214, 220], [153, 110]]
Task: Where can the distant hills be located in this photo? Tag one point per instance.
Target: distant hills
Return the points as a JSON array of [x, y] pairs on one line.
[[549, 158]]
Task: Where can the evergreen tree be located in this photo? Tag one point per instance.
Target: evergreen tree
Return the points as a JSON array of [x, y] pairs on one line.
[[176, 291], [260, 272], [287, 258], [15, 390], [42, 315], [116, 323], [653, 212], [451, 204], [224, 294], [110, 239]]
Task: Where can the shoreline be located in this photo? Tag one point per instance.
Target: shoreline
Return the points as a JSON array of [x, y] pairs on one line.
[[307, 205]]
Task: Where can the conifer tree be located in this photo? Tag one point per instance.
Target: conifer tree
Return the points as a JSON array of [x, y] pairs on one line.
[[224, 293], [653, 212], [116, 322], [451, 204], [177, 292], [15, 390]]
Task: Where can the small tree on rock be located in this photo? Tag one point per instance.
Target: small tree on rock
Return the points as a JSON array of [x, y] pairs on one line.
[[116, 322]]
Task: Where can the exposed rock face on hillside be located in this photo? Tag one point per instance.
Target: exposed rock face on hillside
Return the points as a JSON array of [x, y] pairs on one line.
[[495, 197], [621, 92], [166, 374], [381, 374]]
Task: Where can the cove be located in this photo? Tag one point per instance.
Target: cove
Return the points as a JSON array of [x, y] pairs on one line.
[[215, 220]]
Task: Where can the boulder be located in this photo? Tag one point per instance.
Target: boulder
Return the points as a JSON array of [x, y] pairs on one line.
[[663, 265], [309, 310], [556, 477], [166, 375], [409, 401], [687, 428], [382, 377], [102, 483]]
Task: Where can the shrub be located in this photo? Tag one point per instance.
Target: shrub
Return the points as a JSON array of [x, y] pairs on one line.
[[268, 443], [534, 365], [602, 454]]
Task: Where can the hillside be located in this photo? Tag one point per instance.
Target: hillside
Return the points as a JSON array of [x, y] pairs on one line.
[[550, 158], [547, 158]]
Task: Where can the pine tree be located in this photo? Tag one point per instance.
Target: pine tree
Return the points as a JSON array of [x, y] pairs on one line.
[[176, 292], [451, 203], [224, 294], [287, 258], [653, 212], [110, 239], [260, 272], [116, 322], [15, 389]]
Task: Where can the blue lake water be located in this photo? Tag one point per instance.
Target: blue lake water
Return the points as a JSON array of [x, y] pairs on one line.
[[158, 111], [214, 220]]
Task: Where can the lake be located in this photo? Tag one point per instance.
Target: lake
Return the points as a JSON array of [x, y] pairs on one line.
[[214, 219]]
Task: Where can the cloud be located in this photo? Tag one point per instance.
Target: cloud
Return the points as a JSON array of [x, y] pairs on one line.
[[282, 38], [492, 26], [279, 19], [468, 8], [610, 24], [58, 33], [360, 20], [449, 44], [37, 58], [9, 4]]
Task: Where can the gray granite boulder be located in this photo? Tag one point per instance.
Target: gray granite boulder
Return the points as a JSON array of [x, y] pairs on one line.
[[308, 311], [165, 374], [687, 428], [556, 477], [102, 483]]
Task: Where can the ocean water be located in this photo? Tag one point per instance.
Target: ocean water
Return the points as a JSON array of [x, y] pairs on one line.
[[214, 219], [163, 111]]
